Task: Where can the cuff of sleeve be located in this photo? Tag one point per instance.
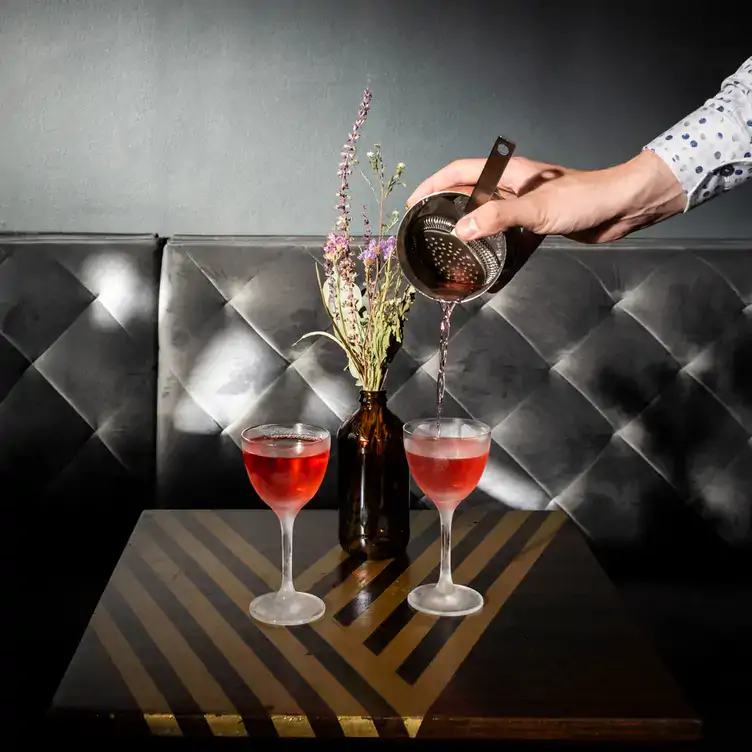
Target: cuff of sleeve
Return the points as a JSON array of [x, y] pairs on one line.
[[706, 154]]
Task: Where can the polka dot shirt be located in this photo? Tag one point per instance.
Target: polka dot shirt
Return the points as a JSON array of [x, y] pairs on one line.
[[710, 151]]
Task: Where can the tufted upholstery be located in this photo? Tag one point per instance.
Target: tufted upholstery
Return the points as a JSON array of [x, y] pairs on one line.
[[617, 380], [77, 431], [77, 369]]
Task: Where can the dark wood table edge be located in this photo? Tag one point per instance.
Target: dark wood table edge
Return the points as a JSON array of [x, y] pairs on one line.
[[644, 730]]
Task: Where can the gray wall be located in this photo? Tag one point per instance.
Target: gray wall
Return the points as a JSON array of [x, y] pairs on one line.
[[226, 116]]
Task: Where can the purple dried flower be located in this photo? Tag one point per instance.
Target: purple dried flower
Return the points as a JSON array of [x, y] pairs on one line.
[[348, 159], [388, 246], [374, 247], [335, 246], [370, 251]]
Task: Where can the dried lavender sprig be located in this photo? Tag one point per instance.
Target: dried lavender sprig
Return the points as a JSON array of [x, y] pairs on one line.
[[348, 161], [343, 260]]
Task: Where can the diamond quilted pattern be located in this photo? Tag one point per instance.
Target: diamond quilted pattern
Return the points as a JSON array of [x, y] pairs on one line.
[[555, 434], [34, 414], [425, 317], [322, 368], [620, 367], [623, 267], [735, 269], [226, 269], [41, 299], [78, 369], [417, 399], [125, 288], [685, 304], [14, 364], [615, 379], [294, 310], [106, 348], [506, 481], [622, 498], [228, 365], [725, 500], [187, 297], [542, 307], [725, 369], [492, 367], [687, 435]]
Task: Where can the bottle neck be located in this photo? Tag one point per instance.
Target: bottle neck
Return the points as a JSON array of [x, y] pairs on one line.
[[369, 400]]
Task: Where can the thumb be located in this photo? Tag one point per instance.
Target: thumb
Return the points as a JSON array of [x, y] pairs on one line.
[[497, 215]]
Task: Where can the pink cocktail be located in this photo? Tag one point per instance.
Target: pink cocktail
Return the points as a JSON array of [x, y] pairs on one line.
[[286, 471], [447, 459], [286, 465]]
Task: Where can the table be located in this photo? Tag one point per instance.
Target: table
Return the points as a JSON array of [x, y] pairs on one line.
[[171, 650]]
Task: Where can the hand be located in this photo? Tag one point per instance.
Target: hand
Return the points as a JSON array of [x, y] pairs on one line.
[[591, 206]]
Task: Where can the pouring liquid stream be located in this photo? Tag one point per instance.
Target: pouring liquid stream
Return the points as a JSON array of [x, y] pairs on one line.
[[444, 329]]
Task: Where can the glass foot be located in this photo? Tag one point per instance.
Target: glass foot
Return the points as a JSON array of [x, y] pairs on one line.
[[287, 609], [461, 601]]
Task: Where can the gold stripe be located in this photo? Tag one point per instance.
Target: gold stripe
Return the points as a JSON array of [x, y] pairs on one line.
[[395, 690], [361, 577], [397, 592], [358, 579], [197, 679], [307, 665], [408, 639], [445, 664], [145, 692], [292, 726], [358, 726], [420, 522], [317, 571], [233, 541], [270, 692], [229, 724], [162, 724], [410, 701], [413, 724]]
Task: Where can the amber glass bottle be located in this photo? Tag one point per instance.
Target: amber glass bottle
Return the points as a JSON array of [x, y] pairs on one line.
[[373, 481]]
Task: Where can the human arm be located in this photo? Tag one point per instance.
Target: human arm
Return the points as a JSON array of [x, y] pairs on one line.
[[710, 151], [603, 205]]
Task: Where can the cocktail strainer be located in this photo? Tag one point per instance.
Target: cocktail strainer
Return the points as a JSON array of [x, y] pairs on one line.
[[435, 261]]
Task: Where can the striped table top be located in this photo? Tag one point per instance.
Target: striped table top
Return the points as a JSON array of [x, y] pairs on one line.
[[171, 650]]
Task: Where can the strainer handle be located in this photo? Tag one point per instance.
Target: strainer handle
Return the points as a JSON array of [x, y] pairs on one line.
[[489, 178]]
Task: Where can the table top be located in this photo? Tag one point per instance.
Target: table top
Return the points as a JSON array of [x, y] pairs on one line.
[[171, 649]]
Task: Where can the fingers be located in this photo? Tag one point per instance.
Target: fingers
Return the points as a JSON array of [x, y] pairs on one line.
[[496, 216], [521, 175], [459, 172], [468, 190]]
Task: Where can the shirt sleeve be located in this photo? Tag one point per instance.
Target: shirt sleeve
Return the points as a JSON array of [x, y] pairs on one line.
[[710, 151]]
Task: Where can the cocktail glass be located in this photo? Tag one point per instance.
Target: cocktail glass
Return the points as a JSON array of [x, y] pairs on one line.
[[446, 458], [286, 464]]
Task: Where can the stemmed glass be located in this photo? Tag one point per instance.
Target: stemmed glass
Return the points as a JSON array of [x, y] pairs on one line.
[[286, 464], [446, 458]]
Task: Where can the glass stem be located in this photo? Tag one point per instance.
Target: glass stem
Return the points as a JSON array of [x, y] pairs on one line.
[[445, 585], [287, 521]]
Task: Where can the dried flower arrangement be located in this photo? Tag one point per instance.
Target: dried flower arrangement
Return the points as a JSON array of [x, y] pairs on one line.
[[368, 315]]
